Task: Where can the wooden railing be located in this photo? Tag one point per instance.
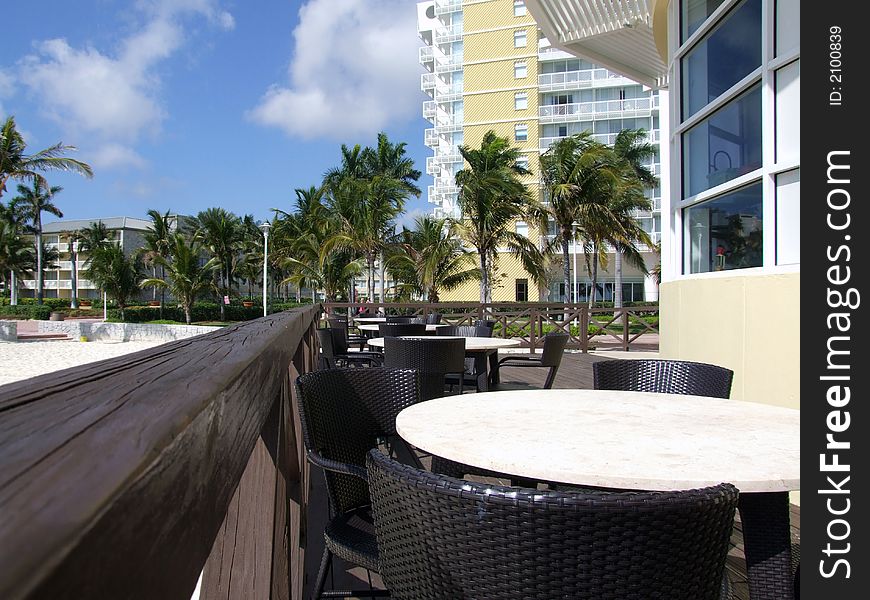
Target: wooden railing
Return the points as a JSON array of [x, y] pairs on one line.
[[634, 327], [124, 478]]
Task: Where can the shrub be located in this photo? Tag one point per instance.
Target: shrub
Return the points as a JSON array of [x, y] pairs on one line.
[[41, 313]]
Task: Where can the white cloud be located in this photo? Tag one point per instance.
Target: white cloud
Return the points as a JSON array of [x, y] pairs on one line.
[[408, 217], [354, 70], [115, 155], [113, 99]]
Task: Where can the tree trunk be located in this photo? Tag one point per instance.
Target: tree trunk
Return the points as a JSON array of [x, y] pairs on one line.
[[484, 277], [370, 287], [566, 267], [187, 313], [13, 288], [154, 288], [74, 284], [617, 279], [594, 274], [299, 293], [381, 283], [39, 290], [221, 286], [162, 290]]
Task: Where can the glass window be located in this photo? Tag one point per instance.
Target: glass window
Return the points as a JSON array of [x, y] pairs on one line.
[[694, 13], [520, 38], [723, 146], [522, 290], [519, 8], [788, 217], [788, 112], [521, 132], [724, 233], [521, 100], [725, 56], [520, 70], [523, 228], [523, 161]]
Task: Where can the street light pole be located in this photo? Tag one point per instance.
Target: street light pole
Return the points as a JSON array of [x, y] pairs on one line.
[[265, 227]]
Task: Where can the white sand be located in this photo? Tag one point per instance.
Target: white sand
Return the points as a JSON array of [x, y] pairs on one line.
[[22, 360]]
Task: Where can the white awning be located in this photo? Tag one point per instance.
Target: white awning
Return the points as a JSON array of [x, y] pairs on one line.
[[616, 34]]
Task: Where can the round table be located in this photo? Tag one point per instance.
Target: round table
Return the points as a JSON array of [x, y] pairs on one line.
[[374, 327], [472, 344], [632, 440], [370, 319]]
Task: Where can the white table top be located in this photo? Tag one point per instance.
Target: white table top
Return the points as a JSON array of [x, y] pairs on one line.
[[374, 327], [472, 344], [628, 440], [370, 319]]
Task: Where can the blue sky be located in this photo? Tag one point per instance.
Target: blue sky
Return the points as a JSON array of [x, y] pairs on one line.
[[187, 104]]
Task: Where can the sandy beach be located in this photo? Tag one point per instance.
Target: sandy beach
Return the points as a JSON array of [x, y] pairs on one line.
[[23, 360]]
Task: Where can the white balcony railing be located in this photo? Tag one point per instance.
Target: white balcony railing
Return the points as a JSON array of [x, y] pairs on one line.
[[584, 78], [427, 54], [431, 138], [428, 81], [449, 63], [633, 107], [429, 109], [605, 138], [443, 7], [449, 33]]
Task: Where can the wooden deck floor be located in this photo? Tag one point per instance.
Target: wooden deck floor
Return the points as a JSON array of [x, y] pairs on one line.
[[576, 372]]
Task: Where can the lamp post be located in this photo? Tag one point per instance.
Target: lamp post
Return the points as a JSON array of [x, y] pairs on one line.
[[265, 227], [74, 248]]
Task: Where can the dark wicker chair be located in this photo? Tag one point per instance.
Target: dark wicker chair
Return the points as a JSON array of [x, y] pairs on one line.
[[664, 376], [433, 318], [399, 329], [344, 413], [334, 351], [475, 368], [405, 319], [441, 537], [485, 323], [353, 335], [465, 331], [433, 357], [550, 357]]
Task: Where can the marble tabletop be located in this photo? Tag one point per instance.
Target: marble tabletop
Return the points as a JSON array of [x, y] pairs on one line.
[[628, 440], [374, 327], [370, 319], [472, 344]]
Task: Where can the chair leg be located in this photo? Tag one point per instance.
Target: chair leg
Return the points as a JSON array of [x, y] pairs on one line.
[[551, 376], [325, 564]]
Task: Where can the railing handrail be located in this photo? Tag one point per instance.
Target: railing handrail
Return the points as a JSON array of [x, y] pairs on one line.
[[529, 321], [116, 476]]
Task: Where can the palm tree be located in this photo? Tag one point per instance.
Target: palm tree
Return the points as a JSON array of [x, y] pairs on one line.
[[157, 244], [116, 274], [16, 256], [93, 237], [633, 149], [186, 276], [430, 258], [574, 170], [492, 198], [32, 202], [15, 164], [219, 230]]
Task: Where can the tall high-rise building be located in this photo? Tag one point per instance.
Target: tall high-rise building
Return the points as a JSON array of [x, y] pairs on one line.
[[490, 68]]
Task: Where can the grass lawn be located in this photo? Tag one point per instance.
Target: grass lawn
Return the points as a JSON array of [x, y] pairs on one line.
[[208, 323]]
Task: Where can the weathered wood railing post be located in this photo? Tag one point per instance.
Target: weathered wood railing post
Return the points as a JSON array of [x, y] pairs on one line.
[[123, 478], [584, 329], [624, 317]]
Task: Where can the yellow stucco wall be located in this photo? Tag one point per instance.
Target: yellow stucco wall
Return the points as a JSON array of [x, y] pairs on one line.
[[491, 14], [500, 105], [747, 323], [499, 75]]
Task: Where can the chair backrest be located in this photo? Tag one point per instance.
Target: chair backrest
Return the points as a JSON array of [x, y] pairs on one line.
[[464, 331], [485, 323], [433, 357], [344, 412], [404, 319], [440, 537], [433, 318], [397, 329], [554, 348], [665, 376], [327, 338]]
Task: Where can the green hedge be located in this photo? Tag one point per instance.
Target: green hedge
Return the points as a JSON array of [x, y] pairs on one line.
[[201, 311], [26, 312]]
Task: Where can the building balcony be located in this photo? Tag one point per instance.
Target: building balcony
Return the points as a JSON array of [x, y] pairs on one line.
[[447, 34], [427, 57], [428, 81], [443, 7], [604, 138], [431, 138], [634, 107], [448, 63], [584, 78], [430, 108], [448, 93]]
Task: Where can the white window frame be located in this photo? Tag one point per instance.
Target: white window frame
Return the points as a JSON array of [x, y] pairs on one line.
[[676, 260], [521, 66], [521, 128], [521, 101], [521, 38], [520, 8], [523, 161]]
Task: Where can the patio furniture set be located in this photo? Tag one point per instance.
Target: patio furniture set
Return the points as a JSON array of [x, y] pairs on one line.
[[625, 491]]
